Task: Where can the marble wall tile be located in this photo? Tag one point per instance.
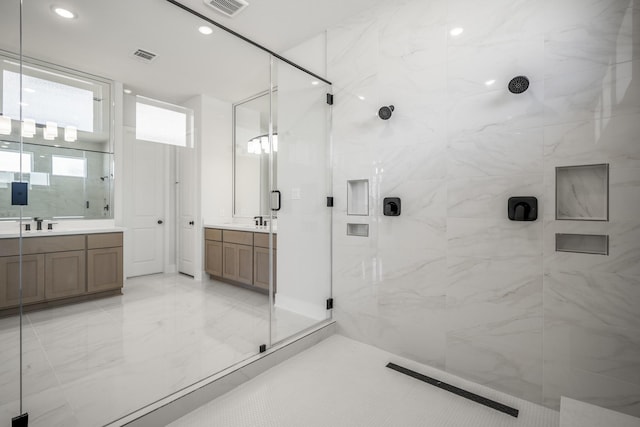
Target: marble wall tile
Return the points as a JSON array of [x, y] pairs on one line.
[[600, 140], [583, 35], [582, 192], [487, 197], [495, 153], [514, 371], [486, 294], [592, 94]]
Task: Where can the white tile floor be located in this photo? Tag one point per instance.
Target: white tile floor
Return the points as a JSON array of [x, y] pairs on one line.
[[90, 363], [341, 382]]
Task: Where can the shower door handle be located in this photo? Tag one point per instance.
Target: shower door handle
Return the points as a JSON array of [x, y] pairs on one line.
[[278, 200]]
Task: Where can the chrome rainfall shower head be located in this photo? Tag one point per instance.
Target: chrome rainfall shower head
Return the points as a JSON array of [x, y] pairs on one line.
[[518, 84]]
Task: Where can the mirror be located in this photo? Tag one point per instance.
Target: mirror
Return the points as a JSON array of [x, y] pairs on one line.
[[68, 151], [251, 189]]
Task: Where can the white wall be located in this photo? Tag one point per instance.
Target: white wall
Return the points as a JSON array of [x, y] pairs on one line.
[[452, 282]]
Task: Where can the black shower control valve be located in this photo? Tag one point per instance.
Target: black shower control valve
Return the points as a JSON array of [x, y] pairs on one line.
[[391, 206], [522, 208]]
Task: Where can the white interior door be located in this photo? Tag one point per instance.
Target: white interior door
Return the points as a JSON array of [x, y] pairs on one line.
[[144, 205], [187, 215]]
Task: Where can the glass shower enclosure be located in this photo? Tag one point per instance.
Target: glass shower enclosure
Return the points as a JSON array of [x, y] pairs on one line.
[[64, 361]]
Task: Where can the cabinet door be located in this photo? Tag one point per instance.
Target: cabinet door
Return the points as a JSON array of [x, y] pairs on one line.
[[245, 264], [64, 274], [213, 257], [230, 261], [32, 280], [261, 268], [104, 269]]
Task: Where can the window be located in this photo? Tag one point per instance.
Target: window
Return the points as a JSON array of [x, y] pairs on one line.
[[10, 161], [47, 100], [164, 123], [69, 166]]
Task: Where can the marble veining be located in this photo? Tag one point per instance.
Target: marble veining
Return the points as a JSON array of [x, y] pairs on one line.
[[452, 281], [90, 363]]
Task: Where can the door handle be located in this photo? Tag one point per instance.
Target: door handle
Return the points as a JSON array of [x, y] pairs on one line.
[[160, 221], [191, 223], [278, 200]]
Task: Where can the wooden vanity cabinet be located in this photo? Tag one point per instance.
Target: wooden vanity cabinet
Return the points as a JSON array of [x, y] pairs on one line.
[[104, 262], [261, 261], [64, 274], [59, 269], [32, 279], [238, 256]]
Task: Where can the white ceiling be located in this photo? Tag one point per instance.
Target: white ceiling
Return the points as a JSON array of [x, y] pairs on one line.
[[106, 33]]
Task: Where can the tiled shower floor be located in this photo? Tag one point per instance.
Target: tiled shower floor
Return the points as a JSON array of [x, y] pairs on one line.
[[344, 383], [90, 363]]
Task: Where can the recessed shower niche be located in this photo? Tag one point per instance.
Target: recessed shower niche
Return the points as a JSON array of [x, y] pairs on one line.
[[358, 197], [582, 192]]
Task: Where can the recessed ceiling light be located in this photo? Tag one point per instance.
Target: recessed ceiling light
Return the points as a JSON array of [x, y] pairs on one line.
[[315, 83], [489, 82], [127, 91], [64, 13], [205, 30], [456, 31], [42, 157], [361, 98]]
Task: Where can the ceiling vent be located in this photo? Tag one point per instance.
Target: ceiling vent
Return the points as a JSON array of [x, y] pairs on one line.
[[144, 55], [228, 8]]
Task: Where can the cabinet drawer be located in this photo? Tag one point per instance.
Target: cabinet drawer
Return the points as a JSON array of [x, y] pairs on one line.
[[39, 245], [213, 234], [261, 240], [239, 237], [104, 240]]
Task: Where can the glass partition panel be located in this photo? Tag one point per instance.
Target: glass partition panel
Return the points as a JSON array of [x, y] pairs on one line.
[[101, 355], [302, 240]]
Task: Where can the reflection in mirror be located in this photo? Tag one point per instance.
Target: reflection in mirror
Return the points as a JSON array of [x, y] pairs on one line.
[[67, 152], [251, 188]]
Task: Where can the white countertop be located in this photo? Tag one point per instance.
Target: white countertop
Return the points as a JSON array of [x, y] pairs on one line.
[[242, 227], [45, 233]]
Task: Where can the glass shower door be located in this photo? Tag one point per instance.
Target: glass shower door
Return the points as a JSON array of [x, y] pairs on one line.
[[301, 178], [13, 266]]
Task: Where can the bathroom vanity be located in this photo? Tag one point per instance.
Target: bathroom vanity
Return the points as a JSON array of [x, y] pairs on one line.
[[58, 268], [239, 255]]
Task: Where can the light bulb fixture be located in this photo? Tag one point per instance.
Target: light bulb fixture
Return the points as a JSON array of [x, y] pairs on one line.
[[50, 131], [260, 144], [63, 13], [28, 128], [5, 125], [70, 134]]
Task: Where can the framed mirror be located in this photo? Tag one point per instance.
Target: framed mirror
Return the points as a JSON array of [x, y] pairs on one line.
[[251, 189], [68, 148]]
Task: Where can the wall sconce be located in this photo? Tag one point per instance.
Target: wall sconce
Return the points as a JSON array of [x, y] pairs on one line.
[[5, 125], [50, 131], [28, 128], [70, 134]]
